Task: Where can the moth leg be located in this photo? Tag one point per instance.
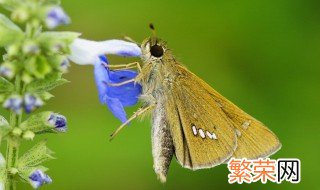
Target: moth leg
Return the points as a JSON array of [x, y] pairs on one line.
[[121, 83], [124, 66], [148, 97], [135, 115]]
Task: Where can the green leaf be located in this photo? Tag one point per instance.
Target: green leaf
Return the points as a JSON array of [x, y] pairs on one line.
[[38, 66], [3, 121], [45, 95], [9, 32], [4, 127], [67, 37], [51, 81], [57, 43], [3, 172], [5, 86], [36, 155], [2, 177], [37, 123], [2, 97]]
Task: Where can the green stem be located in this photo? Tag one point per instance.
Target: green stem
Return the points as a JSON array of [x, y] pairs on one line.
[[12, 157], [13, 143]]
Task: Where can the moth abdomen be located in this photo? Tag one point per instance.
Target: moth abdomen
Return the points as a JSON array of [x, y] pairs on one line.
[[162, 143]]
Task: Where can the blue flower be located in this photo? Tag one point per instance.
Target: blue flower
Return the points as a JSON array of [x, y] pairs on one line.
[[7, 70], [39, 178], [116, 97], [56, 16], [59, 122], [64, 65], [14, 103], [31, 102]]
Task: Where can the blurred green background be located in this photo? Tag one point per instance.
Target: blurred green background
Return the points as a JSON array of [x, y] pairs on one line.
[[262, 55]]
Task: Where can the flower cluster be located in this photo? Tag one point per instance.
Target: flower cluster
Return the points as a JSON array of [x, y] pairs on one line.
[[16, 103], [32, 65]]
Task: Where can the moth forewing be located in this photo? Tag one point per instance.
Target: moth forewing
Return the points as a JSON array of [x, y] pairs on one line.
[[202, 136], [254, 138]]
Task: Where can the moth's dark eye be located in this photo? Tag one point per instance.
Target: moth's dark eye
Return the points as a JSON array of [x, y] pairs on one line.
[[156, 51]]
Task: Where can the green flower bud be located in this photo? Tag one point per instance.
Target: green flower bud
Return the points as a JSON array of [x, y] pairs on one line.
[[28, 135], [20, 15], [7, 70], [61, 63], [38, 66], [17, 132], [13, 171], [26, 77], [45, 122], [13, 50], [57, 47], [30, 48]]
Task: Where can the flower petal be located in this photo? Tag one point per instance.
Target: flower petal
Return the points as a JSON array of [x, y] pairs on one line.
[[116, 97], [58, 122], [86, 52], [116, 107], [56, 16], [121, 75], [128, 94], [38, 178], [102, 78]]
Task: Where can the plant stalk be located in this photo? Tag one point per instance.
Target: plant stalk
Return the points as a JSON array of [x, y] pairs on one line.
[[13, 143]]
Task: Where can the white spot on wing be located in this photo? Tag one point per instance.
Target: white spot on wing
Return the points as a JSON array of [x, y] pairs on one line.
[[238, 133], [214, 136], [202, 135], [209, 134], [246, 124], [194, 130]]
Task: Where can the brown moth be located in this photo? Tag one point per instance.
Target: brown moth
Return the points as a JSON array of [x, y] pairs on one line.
[[190, 119]]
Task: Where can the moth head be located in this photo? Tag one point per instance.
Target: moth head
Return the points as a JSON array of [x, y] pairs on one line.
[[153, 49]]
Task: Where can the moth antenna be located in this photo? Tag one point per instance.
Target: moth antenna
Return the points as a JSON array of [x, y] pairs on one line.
[[127, 38], [151, 26]]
